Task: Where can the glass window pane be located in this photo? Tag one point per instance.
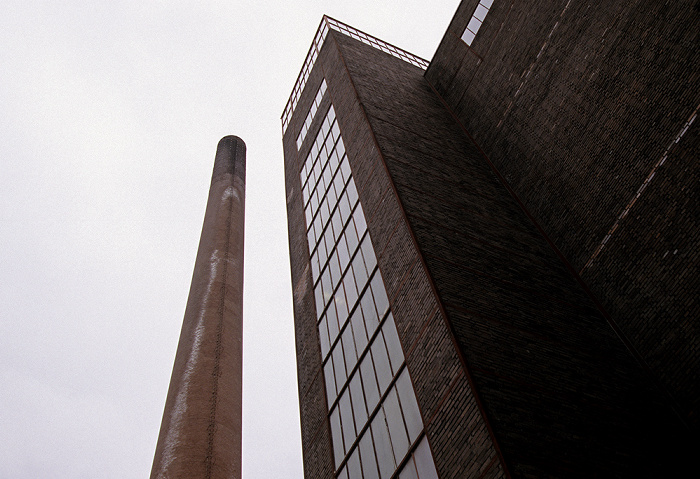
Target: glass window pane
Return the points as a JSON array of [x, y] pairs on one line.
[[305, 168], [353, 465], [349, 348], [337, 223], [392, 344], [381, 363], [315, 198], [324, 213], [333, 163], [338, 450], [424, 461], [338, 180], [327, 287], [382, 445], [379, 293], [344, 165], [358, 401], [332, 322], [486, 3], [339, 366], [344, 208], [348, 425], [341, 305], [311, 241], [368, 253], [369, 383], [331, 196], [328, 239], [323, 334], [341, 147], [313, 235], [409, 470], [318, 293], [397, 431], [315, 268], [337, 159], [322, 252], [350, 289], [352, 192], [474, 25], [358, 328], [351, 237], [480, 12], [370, 314], [343, 255], [335, 130], [335, 268], [330, 381], [358, 268], [360, 222], [328, 148], [369, 461], [411, 414], [309, 215], [318, 165], [317, 225]]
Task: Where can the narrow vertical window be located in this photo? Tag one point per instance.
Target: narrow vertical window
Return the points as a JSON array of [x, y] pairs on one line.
[[312, 113], [477, 19]]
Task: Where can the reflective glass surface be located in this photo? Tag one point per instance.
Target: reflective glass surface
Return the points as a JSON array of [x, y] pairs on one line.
[[312, 113], [475, 22], [374, 418]]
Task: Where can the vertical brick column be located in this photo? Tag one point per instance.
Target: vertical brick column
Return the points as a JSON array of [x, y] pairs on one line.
[[200, 435]]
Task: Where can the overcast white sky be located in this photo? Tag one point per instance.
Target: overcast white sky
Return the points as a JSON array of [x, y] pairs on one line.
[[110, 112]]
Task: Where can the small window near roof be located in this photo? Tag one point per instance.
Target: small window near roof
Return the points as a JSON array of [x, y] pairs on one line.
[[477, 19]]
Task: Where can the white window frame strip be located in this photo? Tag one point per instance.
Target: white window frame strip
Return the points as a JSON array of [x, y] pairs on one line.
[[482, 9]]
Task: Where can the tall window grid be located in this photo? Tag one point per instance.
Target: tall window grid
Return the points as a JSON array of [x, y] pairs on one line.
[[312, 113], [477, 19], [376, 427]]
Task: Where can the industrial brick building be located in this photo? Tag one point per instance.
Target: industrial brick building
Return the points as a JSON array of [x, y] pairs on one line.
[[494, 254]]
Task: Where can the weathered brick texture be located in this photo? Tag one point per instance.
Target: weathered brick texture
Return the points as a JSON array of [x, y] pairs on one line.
[[516, 369], [563, 395], [576, 103]]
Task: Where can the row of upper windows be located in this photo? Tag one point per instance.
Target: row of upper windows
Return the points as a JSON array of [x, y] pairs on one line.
[[372, 408], [354, 337], [477, 19], [312, 113], [341, 298]]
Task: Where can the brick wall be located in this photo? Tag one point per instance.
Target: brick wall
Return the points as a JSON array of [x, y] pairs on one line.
[[442, 390], [561, 393], [576, 104]]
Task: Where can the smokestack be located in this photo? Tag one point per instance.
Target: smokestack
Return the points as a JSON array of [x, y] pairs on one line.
[[200, 435]]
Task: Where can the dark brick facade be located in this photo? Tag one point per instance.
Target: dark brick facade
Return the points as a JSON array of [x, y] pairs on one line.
[[442, 390], [516, 369], [579, 106]]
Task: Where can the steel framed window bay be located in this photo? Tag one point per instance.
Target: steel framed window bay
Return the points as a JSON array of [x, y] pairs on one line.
[[376, 426]]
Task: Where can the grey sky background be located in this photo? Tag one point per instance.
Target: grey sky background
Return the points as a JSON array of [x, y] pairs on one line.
[[110, 112]]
